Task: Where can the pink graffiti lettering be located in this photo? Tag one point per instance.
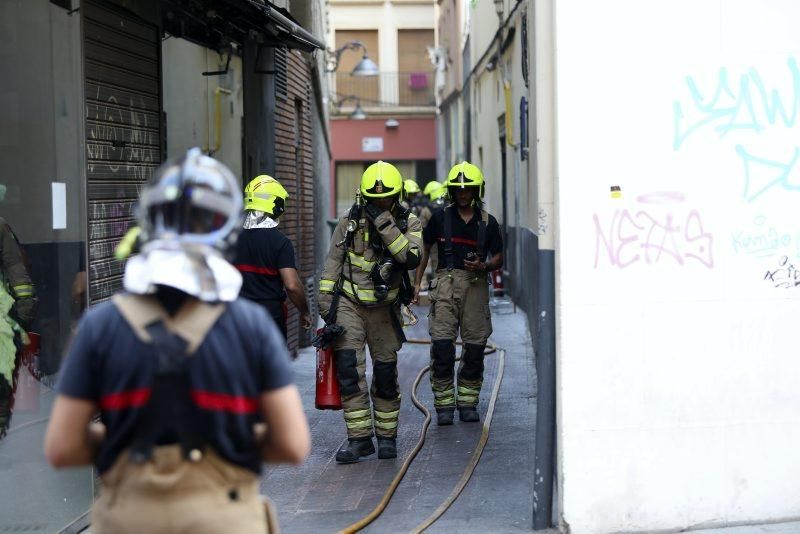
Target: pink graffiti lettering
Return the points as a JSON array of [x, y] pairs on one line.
[[656, 233]]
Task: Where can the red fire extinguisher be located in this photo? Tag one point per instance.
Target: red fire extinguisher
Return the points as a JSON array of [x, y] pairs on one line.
[[497, 283], [328, 396]]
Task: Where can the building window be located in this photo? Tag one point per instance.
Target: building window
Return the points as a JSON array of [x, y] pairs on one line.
[[415, 76]]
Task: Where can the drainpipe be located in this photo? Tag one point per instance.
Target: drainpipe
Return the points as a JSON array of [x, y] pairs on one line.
[[218, 92]]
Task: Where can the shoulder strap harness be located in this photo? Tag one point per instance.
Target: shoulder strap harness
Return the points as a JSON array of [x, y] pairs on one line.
[[483, 219], [170, 414]]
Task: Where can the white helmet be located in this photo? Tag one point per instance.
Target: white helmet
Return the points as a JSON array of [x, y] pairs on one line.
[[191, 201], [189, 214]]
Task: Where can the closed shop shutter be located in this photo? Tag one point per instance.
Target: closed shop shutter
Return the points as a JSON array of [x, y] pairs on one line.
[[123, 129]]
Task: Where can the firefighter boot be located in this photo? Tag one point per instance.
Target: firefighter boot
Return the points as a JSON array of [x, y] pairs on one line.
[[355, 449], [468, 414], [387, 448], [444, 416]]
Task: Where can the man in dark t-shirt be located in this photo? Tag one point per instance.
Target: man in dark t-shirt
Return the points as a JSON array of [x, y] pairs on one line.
[[265, 256]]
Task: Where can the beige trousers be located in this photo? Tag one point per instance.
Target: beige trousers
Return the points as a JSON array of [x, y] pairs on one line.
[[168, 494], [374, 327], [459, 305]]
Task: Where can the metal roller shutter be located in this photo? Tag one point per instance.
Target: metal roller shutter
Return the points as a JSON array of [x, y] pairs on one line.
[[122, 67]]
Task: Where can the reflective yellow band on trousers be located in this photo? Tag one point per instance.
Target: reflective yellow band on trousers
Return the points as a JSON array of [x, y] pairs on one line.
[[365, 423], [416, 234], [23, 290], [386, 424], [365, 295], [398, 244], [355, 414], [468, 395], [326, 286], [444, 398], [386, 420], [360, 262], [387, 415]]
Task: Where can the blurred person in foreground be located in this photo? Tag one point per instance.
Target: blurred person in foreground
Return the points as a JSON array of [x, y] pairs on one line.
[[183, 373], [17, 311], [265, 256]]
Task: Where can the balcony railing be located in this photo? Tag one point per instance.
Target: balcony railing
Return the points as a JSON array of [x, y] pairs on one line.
[[388, 89]]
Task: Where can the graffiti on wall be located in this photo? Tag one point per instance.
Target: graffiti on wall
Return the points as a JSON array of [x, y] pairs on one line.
[[785, 275], [121, 135], [542, 222], [660, 229], [749, 107], [765, 239]]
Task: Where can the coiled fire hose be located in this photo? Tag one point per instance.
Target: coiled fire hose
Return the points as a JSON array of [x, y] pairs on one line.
[[471, 465]]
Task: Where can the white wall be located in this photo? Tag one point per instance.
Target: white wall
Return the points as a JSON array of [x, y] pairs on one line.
[[678, 361]]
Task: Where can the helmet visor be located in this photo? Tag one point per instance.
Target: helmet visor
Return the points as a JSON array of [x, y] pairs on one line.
[[194, 198]]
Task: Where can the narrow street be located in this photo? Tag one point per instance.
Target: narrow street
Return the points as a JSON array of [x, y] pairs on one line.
[[321, 496]]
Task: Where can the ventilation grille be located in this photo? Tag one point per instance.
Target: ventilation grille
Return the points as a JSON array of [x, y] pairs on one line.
[[281, 73]]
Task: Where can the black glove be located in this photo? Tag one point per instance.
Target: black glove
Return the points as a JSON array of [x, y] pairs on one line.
[[327, 335], [373, 212]]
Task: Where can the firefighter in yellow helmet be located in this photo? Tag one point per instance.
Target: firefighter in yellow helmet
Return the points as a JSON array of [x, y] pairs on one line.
[[436, 193], [469, 246], [265, 256], [410, 191], [373, 247]]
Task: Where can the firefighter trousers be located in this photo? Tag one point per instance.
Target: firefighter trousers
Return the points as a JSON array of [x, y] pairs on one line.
[[379, 329], [459, 305], [170, 494]]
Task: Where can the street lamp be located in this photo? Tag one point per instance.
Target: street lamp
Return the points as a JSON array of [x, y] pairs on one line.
[[365, 67], [358, 113]]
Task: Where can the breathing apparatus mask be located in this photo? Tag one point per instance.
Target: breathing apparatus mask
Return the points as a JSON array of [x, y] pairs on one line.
[[381, 276]]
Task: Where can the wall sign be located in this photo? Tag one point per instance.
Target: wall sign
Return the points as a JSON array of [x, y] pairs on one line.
[[372, 144]]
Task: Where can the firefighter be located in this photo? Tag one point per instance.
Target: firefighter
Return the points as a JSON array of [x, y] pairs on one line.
[[429, 187], [372, 248], [436, 193], [420, 204], [184, 374], [265, 256], [411, 194], [469, 246], [17, 307]]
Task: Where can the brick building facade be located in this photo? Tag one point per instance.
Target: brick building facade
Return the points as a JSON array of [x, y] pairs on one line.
[[294, 169]]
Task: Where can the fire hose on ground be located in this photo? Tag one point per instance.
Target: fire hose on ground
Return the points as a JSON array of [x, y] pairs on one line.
[[471, 465]]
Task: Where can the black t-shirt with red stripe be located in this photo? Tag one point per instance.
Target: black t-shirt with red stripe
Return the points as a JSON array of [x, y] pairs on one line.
[[241, 357], [260, 254], [465, 236]]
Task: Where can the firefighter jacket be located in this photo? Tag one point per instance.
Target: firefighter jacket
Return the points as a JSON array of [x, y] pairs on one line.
[[15, 274], [353, 264]]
